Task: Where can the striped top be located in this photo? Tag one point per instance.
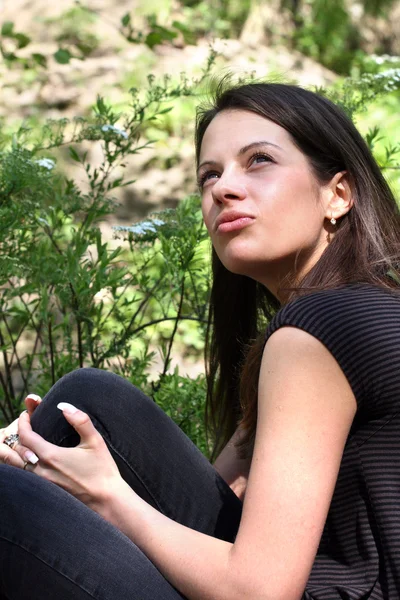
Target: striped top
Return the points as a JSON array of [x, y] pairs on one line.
[[359, 552]]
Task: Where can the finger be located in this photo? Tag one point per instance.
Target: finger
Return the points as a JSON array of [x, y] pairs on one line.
[[15, 455], [32, 401], [11, 458], [12, 428], [82, 424], [25, 454], [32, 440]]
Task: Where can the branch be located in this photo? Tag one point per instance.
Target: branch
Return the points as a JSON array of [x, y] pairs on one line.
[[7, 367], [110, 351], [171, 341], [38, 337], [8, 418], [80, 348], [53, 377], [37, 329], [14, 345], [75, 303], [90, 339], [128, 334]]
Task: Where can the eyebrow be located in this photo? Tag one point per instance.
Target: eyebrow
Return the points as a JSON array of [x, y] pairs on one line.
[[242, 151]]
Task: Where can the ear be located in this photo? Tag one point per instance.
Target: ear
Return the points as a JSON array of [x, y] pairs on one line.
[[338, 197]]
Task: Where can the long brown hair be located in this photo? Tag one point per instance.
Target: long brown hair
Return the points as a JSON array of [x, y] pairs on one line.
[[365, 247]]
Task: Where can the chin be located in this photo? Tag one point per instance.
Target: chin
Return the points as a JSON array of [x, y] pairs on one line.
[[240, 265], [237, 256]]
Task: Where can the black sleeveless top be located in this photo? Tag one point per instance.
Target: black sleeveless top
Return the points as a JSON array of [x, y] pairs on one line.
[[359, 552]]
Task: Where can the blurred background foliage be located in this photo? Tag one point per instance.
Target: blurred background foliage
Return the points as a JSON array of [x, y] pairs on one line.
[[104, 260]]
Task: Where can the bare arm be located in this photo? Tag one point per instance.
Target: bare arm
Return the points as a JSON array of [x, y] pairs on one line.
[[306, 408], [234, 470]]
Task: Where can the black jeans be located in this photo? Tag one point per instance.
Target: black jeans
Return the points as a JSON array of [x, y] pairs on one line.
[[52, 546]]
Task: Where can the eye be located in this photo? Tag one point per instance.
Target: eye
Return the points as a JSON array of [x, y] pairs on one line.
[[206, 176], [260, 157]]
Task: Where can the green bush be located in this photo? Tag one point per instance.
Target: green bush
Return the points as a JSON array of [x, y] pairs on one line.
[[67, 298], [326, 32]]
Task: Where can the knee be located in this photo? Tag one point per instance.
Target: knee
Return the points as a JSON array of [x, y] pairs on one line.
[[93, 390], [81, 387]]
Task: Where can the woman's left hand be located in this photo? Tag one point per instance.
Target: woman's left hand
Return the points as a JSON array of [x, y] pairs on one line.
[[87, 471]]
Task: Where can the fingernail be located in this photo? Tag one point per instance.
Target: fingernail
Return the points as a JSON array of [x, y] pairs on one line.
[[34, 397], [67, 408], [31, 457]]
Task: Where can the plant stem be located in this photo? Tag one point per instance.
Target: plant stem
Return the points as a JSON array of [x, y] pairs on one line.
[[171, 340], [80, 348], [127, 334], [7, 367], [50, 332], [156, 387], [38, 337], [15, 353], [7, 418]]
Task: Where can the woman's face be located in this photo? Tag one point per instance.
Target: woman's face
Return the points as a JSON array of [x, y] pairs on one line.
[[261, 203]]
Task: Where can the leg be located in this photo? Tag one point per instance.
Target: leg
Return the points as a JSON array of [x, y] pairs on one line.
[[53, 546], [152, 453]]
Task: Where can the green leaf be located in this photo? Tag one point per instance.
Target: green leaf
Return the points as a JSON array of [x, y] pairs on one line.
[[152, 39], [126, 19], [152, 20], [164, 111], [22, 40], [125, 183], [74, 155], [181, 27], [40, 59], [101, 107], [10, 56], [166, 34], [63, 56], [7, 29]]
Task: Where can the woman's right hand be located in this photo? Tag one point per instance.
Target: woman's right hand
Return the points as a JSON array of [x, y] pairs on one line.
[[8, 456]]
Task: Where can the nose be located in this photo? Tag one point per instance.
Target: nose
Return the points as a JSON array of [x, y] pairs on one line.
[[226, 189]]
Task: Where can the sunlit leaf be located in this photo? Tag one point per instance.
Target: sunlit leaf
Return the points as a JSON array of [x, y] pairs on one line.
[[22, 40], [7, 29], [62, 56], [126, 19]]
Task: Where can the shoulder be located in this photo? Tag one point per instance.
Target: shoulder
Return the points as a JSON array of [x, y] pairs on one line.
[[358, 324], [333, 305], [299, 371], [352, 308]]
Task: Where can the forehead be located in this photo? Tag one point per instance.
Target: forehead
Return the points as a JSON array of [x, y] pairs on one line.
[[233, 129]]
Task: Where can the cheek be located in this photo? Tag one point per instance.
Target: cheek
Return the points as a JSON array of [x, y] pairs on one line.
[[294, 217], [296, 200], [206, 209]]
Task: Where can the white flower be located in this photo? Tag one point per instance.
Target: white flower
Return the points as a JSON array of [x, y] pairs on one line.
[[116, 130], [383, 58], [141, 228], [47, 163]]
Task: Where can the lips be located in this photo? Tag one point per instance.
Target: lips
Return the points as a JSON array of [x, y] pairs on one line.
[[232, 221]]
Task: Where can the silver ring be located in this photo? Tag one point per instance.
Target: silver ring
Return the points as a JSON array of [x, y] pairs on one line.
[[26, 463], [11, 440]]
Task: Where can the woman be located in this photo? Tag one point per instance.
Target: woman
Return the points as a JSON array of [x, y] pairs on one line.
[[300, 219]]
